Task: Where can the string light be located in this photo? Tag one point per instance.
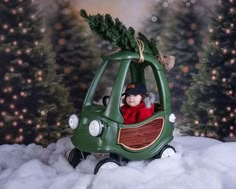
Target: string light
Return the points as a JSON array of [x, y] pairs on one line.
[[42, 30], [20, 25], [230, 92], [24, 110], [211, 30], [12, 69], [224, 80], [15, 97], [7, 50], [40, 79], [12, 106], [165, 4], [24, 30], [13, 11], [28, 51], [224, 119], [16, 113], [29, 122], [58, 134], [20, 62], [196, 122], [40, 73], [20, 138], [61, 41], [5, 26], [225, 50], [6, 78], [20, 10], [214, 72], [191, 41], [196, 133], [154, 19], [32, 17], [2, 37], [18, 52], [227, 31], [228, 108], [39, 138], [211, 111], [9, 89], [29, 81], [23, 94], [36, 43], [43, 113], [8, 137], [11, 30], [3, 113]]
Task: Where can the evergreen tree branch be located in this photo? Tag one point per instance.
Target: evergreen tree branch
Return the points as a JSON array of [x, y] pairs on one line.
[[117, 34]]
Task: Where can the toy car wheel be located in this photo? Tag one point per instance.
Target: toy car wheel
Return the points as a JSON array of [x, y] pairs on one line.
[[76, 156], [167, 151], [105, 164]]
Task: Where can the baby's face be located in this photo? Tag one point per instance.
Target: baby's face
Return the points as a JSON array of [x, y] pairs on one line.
[[133, 100]]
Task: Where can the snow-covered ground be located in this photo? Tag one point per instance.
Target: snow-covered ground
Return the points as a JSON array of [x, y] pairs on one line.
[[200, 163]]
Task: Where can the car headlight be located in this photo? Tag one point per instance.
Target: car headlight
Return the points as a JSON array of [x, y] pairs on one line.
[[172, 118], [73, 121], [95, 127]]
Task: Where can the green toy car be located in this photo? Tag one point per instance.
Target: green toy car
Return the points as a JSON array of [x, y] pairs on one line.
[[99, 128]]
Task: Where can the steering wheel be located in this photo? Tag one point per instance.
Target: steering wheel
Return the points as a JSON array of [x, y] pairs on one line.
[[105, 100]]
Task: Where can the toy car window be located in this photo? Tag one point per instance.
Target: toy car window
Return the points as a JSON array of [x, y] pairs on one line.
[[151, 84], [106, 82]]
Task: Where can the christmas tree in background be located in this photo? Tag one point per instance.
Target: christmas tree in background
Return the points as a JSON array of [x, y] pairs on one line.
[[182, 38], [76, 52], [211, 107], [155, 24], [33, 104]]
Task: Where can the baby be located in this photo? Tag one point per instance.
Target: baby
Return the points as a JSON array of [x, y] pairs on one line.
[[135, 109]]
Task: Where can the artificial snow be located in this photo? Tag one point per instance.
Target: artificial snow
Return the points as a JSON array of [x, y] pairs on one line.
[[200, 163]]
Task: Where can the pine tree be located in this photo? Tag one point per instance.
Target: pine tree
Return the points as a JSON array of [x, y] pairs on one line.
[[211, 107], [182, 38], [156, 23], [33, 104], [76, 52]]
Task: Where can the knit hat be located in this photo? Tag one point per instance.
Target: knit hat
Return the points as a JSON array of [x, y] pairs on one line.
[[135, 89]]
